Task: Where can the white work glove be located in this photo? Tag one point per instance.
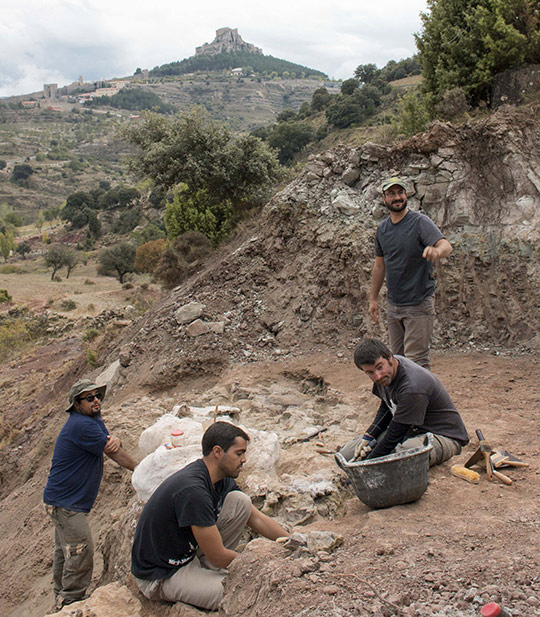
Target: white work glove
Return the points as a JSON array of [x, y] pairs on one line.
[[364, 447]]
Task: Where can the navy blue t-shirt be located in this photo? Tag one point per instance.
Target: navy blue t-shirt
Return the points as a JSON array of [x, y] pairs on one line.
[[409, 277], [77, 463], [163, 539]]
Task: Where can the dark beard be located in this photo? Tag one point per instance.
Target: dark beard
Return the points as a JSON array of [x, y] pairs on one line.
[[398, 207]]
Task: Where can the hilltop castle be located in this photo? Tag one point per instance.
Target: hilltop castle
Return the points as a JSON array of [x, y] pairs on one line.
[[227, 40]]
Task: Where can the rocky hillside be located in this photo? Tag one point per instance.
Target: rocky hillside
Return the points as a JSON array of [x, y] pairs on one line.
[[300, 281], [269, 326]]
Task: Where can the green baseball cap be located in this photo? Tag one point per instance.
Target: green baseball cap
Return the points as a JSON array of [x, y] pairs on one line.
[[84, 385], [395, 180]]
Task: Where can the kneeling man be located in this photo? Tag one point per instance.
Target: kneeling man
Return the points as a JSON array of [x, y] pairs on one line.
[[188, 530], [413, 402]]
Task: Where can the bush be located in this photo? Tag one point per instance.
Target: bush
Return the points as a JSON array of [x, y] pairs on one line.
[[68, 305], [198, 212], [90, 335], [413, 115], [182, 258], [148, 255], [4, 296], [91, 358]]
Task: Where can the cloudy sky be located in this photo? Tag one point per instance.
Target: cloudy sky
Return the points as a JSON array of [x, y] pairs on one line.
[[55, 41]]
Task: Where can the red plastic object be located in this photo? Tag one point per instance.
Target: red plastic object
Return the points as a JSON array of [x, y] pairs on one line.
[[493, 610]]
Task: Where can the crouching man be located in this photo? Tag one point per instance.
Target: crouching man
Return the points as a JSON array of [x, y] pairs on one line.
[[188, 530], [413, 403]]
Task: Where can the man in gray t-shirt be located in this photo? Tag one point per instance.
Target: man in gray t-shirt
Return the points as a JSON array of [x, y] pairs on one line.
[[406, 244], [413, 402]]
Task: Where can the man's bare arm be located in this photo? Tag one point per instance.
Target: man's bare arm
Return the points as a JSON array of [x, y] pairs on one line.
[[441, 248], [377, 280], [265, 526], [211, 544], [121, 457]]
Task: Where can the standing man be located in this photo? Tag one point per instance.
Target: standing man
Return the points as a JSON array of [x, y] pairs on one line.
[[405, 245], [188, 530], [413, 402], [72, 487]]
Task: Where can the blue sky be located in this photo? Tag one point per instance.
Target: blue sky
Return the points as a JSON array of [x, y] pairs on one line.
[[55, 41]]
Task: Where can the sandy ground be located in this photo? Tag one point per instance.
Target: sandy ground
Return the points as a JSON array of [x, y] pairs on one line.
[[458, 546]]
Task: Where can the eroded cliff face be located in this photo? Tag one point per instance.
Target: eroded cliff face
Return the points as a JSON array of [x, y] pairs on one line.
[[301, 280]]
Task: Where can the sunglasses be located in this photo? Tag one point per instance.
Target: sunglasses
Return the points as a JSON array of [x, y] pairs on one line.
[[90, 397]]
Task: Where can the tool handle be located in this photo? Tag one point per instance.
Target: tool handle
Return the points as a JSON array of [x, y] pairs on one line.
[[489, 466], [479, 434], [504, 479]]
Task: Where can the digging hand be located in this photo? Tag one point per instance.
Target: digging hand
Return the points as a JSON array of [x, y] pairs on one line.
[[364, 447]]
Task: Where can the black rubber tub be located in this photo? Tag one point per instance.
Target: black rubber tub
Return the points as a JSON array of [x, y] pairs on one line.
[[389, 480]]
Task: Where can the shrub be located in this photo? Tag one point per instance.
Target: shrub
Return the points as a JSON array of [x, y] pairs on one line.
[[4, 296], [68, 305], [148, 255], [14, 334], [90, 335], [182, 258], [91, 358]]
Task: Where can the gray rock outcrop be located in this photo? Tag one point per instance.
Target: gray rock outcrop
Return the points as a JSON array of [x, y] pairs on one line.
[[227, 40]]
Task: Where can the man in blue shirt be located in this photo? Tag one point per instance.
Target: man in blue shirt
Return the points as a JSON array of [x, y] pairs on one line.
[[72, 487], [406, 244]]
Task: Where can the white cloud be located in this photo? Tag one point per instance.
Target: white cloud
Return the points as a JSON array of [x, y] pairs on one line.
[[46, 41]]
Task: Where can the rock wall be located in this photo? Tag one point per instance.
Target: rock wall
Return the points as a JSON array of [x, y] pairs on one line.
[[514, 85]]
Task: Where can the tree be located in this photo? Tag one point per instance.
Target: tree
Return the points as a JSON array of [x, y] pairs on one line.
[[21, 174], [56, 258], [148, 255], [198, 212], [353, 109], [94, 226], [289, 138], [320, 99], [119, 259], [349, 86], [71, 259], [413, 115], [196, 150], [3, 164], [6, 244], [286, 115], [366, 73], [23, 248], [465, 44]]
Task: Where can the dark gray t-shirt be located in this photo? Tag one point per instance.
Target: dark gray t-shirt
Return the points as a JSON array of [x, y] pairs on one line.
[[417, 398], [409, 277]]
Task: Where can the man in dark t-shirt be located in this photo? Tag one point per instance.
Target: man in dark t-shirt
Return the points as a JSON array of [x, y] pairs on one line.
[[72, 488], [413, 403], [188, 530], [406, 244]]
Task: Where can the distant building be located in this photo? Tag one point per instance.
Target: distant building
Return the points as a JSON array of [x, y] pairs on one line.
[[237, 71], [50, 91], [28, 104]]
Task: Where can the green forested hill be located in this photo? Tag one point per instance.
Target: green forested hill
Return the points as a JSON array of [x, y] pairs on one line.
[[250, 62]]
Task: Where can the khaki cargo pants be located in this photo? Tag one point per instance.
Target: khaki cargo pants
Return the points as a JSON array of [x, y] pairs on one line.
[[200, 583], [73, 560]]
